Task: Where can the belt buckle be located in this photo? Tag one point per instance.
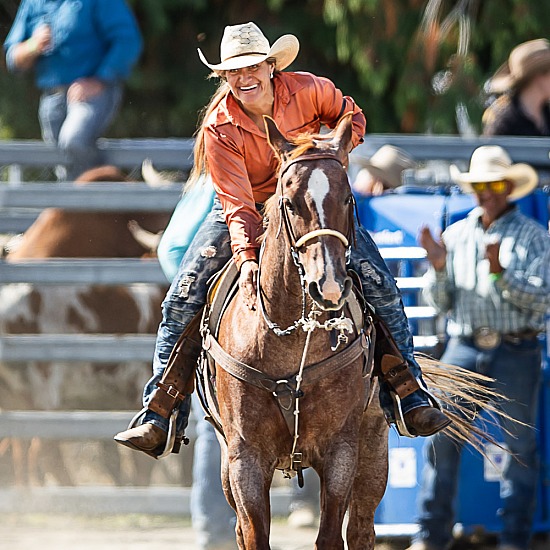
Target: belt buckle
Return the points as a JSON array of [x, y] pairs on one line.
[[486, 338]]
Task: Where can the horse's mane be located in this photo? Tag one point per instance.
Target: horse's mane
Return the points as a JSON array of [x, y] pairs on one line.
[[303, 143], [269, 205]]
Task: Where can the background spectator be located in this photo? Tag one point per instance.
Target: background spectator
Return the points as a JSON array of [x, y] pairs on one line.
[[524, 81], [212, 518], [383, 171], [491, 276], [81, 52]]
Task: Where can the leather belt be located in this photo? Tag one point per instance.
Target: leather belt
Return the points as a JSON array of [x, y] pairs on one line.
[[486, 338]]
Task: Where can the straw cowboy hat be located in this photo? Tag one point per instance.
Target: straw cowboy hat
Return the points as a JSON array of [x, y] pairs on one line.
[[245, 45], [524, 62], [492, 163], [387, 164]]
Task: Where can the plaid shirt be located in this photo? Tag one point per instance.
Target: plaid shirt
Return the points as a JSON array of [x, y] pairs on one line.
[[464, 290]]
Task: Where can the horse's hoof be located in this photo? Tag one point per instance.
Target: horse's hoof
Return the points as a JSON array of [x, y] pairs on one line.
[[147, 438], [425, 421]]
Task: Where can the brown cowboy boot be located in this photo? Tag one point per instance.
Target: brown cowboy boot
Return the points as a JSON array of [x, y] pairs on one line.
[[176, 384], [392, 368], [147, 438], [425, 421]]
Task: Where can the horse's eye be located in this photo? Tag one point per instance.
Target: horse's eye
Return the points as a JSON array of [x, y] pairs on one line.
[[349, 199]]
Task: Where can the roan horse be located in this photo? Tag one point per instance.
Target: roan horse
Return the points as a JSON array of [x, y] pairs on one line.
[[302, 269]]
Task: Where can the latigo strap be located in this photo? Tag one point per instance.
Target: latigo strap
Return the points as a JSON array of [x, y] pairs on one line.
[[178, 379]]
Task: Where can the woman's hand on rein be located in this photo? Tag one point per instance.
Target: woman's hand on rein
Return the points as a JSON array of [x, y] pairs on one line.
[[247, 283]]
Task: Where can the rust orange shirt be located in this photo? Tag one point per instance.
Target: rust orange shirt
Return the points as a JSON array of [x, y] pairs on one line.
[[243, 165]]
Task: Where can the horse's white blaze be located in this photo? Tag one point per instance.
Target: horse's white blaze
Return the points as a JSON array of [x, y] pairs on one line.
[[318, 189]]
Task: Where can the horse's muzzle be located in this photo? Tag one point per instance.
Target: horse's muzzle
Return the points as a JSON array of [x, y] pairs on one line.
[[330, 296]]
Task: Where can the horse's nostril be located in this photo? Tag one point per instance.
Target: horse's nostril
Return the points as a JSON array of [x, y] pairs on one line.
[[315, 291]]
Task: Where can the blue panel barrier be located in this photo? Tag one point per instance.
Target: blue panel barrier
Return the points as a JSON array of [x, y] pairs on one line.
[[399, 505], [478, 499], [394, 219], [480, 480]]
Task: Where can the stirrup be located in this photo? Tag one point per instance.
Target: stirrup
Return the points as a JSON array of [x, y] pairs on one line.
[[431, 397], [398, 414], [134, 422], [170, 440], [398, 411]]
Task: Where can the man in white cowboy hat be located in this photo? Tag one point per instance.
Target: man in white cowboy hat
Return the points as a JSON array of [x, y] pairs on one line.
[[524, 82], [383, 171], [490, 275]]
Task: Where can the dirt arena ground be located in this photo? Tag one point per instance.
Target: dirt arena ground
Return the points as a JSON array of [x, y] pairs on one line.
[[140, 532], [127, 533]]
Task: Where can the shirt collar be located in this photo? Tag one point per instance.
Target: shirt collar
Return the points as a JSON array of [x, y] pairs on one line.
[[475, 216]]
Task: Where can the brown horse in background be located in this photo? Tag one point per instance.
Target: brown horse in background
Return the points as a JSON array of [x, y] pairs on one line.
[[279, 391]]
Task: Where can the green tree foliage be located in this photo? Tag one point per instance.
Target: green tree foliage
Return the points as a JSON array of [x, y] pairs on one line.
[[408, 63]]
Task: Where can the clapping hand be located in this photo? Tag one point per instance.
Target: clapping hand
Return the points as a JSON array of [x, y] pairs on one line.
[[491, 253], [436, 251]]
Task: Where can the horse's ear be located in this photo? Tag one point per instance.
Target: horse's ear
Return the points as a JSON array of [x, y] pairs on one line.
[[275, 139], [342, 135]]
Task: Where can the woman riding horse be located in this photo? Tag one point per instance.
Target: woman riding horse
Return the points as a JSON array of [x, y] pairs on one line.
[[232, 147]]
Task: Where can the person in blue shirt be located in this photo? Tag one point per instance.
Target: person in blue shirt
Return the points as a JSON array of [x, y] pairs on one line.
[[81, 52]]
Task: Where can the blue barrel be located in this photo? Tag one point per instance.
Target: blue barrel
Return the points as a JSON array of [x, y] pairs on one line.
[[406, 461], [478, 498]]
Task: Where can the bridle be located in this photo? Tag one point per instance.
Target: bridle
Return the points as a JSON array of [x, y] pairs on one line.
[[297, 243], [340, 325]]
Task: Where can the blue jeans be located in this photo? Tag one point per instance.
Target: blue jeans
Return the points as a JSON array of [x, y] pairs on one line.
[[74, 127], [209, 252], [517, 371]]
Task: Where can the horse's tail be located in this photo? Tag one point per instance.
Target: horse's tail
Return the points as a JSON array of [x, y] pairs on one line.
[[463, 394]]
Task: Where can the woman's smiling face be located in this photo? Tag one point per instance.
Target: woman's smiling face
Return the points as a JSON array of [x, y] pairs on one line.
[[251, 85]]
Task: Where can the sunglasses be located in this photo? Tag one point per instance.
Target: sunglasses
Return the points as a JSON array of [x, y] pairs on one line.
[[498, 187]]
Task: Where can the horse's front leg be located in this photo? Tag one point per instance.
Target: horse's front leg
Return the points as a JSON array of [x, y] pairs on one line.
[[226, 486], [250, 478], [370, 480], [336, 475]]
